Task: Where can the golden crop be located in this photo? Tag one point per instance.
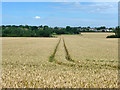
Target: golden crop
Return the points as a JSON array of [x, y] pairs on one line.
[[25, 62]]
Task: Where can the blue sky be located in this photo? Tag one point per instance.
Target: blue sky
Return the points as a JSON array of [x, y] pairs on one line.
[[60, 13]]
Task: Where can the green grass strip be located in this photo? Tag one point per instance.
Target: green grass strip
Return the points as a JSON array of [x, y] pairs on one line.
[[68, 57], [52, 57]]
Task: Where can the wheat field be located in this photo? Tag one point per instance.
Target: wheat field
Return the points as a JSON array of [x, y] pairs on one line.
[[88, 60]]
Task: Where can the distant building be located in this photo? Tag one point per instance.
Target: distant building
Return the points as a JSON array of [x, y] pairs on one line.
[[92, 29]]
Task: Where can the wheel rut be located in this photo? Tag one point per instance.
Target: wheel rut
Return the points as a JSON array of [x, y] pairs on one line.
[[61, 54], [52, 57]]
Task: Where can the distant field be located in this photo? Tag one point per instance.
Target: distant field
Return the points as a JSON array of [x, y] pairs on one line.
[[79, 61]]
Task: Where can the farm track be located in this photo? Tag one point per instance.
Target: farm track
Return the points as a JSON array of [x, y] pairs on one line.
[[61, 46]]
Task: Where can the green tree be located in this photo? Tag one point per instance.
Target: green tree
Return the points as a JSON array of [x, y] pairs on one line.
[[117, 31], [45, 27], [26, 26], [56, 28]]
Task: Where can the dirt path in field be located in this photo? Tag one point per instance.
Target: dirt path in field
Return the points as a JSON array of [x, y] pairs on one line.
[[61, 54]]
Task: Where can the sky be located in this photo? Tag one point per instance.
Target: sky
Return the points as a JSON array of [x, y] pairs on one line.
[[60, 0], [60, 14]]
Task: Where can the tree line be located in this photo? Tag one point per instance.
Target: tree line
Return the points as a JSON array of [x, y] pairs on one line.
[[46, 31], [36, 31]]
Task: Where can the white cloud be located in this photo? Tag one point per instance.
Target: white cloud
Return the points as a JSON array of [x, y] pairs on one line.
[[37, 17]]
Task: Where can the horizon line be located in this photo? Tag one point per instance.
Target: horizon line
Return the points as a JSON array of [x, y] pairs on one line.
[[60, 26]]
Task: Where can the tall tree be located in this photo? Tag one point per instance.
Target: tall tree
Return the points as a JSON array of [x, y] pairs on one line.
[[45, 27]]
